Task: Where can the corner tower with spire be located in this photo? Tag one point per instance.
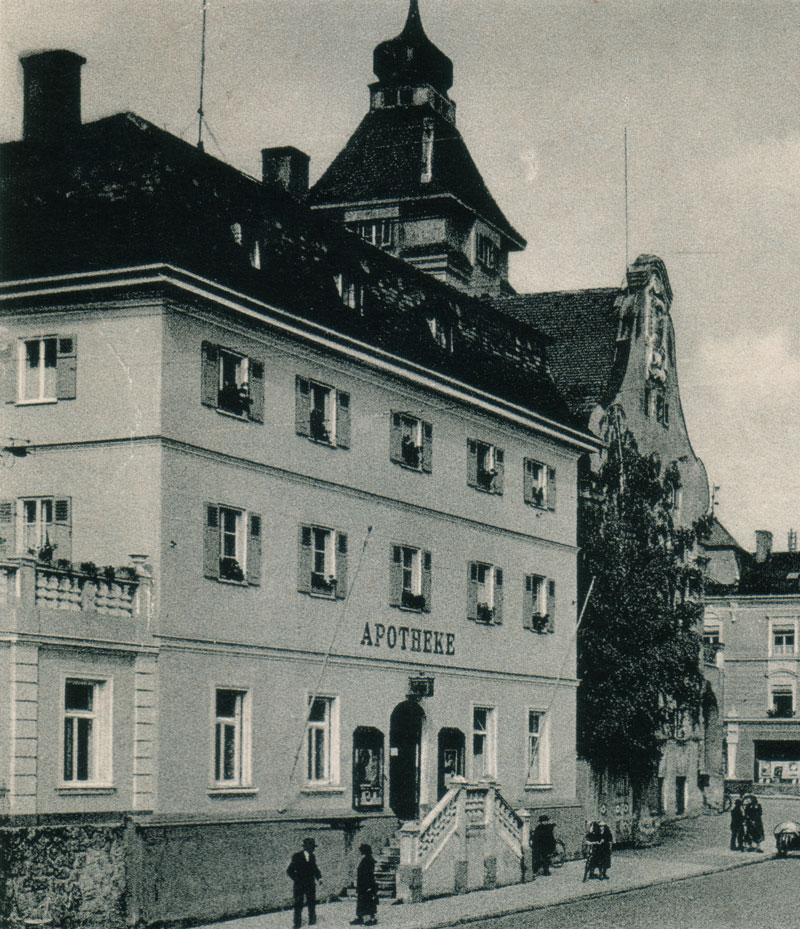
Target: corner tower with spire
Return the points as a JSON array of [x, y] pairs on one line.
[[406, 182]]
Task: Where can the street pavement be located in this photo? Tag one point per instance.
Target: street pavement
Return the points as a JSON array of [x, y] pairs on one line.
[[691, 847]]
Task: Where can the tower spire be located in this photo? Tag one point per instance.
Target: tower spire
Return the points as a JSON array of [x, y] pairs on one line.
[[411, 58]]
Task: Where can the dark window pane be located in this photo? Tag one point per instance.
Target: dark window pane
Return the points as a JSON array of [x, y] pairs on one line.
[[84, 749], [226, 703], [78, 695]]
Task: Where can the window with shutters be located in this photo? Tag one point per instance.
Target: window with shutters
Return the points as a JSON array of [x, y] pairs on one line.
[[86, 749], [539, 484], [539, 604], [322, 742], [484, 749], [232, 544], [485, 466], [232, 383], [538, 772], [410, 578], [43, 528], [322, 568], [322, 413], [46, 369], [485, 593], [231, 738], [411, 442]]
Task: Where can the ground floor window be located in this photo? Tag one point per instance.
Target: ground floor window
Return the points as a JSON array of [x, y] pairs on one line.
[[538, 760], [231, 738], [87, 746], [321, 742], [483, 742]]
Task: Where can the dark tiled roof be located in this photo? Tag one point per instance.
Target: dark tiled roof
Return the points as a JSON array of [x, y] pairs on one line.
[[586, 361], [382, 159], [719, 537], [123, 192], [778, 574]]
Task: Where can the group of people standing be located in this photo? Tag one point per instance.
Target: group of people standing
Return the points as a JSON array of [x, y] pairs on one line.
[[747, 825]]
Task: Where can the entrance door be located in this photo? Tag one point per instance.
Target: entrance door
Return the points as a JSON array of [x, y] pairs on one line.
[[405, 740], [451, 758], [680, 795]]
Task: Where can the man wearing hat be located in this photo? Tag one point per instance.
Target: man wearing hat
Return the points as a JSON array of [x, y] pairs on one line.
[[543, 844], [304, 872]]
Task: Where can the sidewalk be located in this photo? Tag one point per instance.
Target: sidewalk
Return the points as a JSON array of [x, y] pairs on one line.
[[632, 868]]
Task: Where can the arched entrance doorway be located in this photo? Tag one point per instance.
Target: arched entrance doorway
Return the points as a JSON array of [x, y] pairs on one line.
[[405, 742], [451, 758]]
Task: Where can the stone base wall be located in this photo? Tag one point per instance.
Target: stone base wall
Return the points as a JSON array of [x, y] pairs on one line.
[[139, 874]]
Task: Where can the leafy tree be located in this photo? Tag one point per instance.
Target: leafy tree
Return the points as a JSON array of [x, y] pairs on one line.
[[639, 644]]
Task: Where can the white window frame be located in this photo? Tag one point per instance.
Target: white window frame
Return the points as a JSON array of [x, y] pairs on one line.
[[242, 726], [783, 687], [411, 428], [487, 252], [239, 536], [782, 628], [24, 379], [324, 554], [328, 730], [41, 538], [538, 764], [489, 739], [328, 395], [487, 584], [411, 567], [541, 483], [242, 378], [101, 751]]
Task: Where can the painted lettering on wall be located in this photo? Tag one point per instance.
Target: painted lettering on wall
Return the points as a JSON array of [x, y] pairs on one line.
[[409, 639]]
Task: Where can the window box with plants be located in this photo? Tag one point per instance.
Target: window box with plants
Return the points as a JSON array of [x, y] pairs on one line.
[[412, 601], [230, 570], [485, 613], [540, 622], [322, 584], [486, 478]]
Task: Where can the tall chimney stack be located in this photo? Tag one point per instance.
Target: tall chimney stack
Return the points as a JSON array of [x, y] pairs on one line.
[[763, 545], [52, 95], [286, 167]]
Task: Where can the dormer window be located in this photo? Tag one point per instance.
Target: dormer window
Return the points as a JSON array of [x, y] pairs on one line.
[[487, 252], [351, 292], [441, 332], [378, 232]]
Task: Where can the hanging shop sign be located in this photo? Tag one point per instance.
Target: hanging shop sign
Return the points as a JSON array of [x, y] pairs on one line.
[[409, 639]]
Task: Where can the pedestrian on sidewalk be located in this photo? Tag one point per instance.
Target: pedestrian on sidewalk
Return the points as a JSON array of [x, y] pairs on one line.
[[367, 889], [604, 857], [543, 844], [737, 826], [304, 873], [753, 823], [592, 843]]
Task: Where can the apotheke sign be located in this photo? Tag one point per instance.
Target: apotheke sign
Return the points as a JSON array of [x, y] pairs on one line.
[[409, 639]]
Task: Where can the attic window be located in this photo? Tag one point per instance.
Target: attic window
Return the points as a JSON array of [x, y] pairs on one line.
[[378, 232], [236, 231], [351, 292], [488, 254], [441, 332]]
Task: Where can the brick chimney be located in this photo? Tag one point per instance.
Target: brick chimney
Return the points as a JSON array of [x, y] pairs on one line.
[[286, 167], [52, 95], [763, 545]]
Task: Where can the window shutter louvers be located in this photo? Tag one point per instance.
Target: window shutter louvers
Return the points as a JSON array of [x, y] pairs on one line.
[[8, 372], [342, 419], [395, 575], [427, 447], [551, 605], [211, 547], [498, 596], [67, 368], [256, 387], [302, 407], [253, 575], [304, 559], [62, 527], [395, 438], [341, 565], [209, 377], [472, 463], [499, 468], [472, 591], [426, 580], [527, 604], [8, 528], [551, 489], [527, 480]]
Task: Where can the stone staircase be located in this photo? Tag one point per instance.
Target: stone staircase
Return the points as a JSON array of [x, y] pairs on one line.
[[387, 862]]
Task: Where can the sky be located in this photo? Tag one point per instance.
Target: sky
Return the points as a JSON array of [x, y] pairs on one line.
[[707, 89]]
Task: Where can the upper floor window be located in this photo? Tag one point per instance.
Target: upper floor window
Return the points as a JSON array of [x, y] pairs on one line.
[[87, 741], [410, 578], [656, 404], [232, 544], [782, 701], [232, 383], [487, 252], [322, 413], [782, 640], [47, 369], [378, 232], [484, 466], [231, 738], [38, 526], [539, 484], [485, 593], [411, 442], [539, 604], [322, 562]]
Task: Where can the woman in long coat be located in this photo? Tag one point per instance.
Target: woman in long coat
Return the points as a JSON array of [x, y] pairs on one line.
[[367, 889]]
